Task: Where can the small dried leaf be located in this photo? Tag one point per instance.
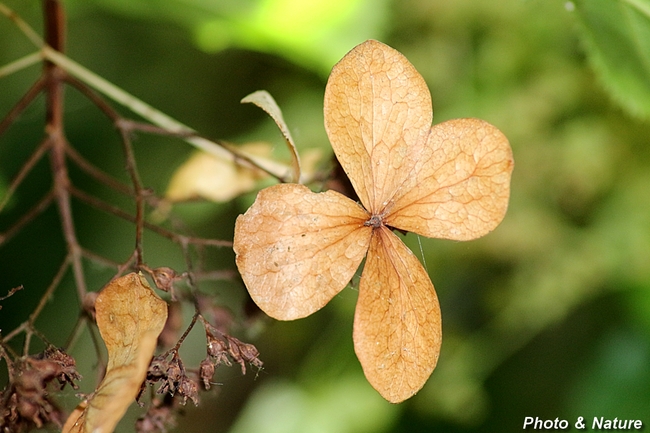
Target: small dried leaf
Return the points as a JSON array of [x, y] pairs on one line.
[[397, 323], [297, 249], [207, 176], [130, 316], [265, 101]]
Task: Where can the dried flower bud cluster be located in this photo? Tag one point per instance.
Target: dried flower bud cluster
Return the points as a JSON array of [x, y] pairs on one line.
[[174, 378], [26, 402], [223, 347]]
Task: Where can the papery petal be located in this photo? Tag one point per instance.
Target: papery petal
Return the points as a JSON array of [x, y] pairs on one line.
[[397, 323], [462, 183], [377, 116], [296, 249]]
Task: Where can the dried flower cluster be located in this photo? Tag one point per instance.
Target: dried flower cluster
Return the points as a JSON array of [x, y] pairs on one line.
[[221, 346], [173, 376], [176, 380], [26, 402]]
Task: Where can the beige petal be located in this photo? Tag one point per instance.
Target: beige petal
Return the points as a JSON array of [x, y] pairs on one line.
[[377, 116], [130, 316], [296, 249], [397, 323], [462, 183]]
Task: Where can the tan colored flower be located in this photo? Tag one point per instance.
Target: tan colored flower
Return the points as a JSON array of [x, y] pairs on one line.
[[296, 249]]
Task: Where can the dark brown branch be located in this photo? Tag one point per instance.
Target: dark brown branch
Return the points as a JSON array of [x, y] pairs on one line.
[[54, 24], [54, 128]]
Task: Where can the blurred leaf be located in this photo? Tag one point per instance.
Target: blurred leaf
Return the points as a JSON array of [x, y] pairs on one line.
[[340, 406], [265, 101], [617, 35], [207, 176], [313, 34], [130, 316]]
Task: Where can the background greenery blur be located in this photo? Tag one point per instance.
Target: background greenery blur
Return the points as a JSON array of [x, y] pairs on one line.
[[547, 316]]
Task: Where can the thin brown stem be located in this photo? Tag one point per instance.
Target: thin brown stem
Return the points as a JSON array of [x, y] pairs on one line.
[[27, 217], [22, 25], [114, 210], [11, 292], [22, 104], [96, 173], [50, 290], [97, 100], [131, 167], [189, 328], [42, 302], [24, 171], [96, 258]]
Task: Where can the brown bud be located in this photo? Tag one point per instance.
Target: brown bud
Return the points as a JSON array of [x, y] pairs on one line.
[[188, 388], [164, 278], [206, 371]]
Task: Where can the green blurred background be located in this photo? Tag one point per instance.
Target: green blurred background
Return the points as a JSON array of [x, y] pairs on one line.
[[548, 316]]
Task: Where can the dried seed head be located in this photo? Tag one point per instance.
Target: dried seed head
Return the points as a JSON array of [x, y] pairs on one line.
[[206, 371]]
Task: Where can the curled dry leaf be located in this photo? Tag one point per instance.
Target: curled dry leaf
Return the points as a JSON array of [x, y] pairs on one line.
[[296, 249], [265, 101], [130, 316]]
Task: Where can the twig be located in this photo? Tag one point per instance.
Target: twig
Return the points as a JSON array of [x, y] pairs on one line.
[[114, 210], [22, 104], [24, 170], [27, 217], [96, 173], [41, 304], [11, 292], [50, 290], [155, 116], [22, 25], [131, 167], [20, 64], [55, 76]]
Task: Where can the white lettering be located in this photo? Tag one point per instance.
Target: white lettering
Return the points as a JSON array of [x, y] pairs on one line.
[[528, 421], [545, 424], [616, 424]]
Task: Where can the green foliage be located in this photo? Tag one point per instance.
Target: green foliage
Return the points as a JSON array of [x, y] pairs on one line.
[[617, 36], [313, 33]]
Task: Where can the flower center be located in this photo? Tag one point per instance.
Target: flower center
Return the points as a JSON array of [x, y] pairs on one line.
[[374, 221]]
